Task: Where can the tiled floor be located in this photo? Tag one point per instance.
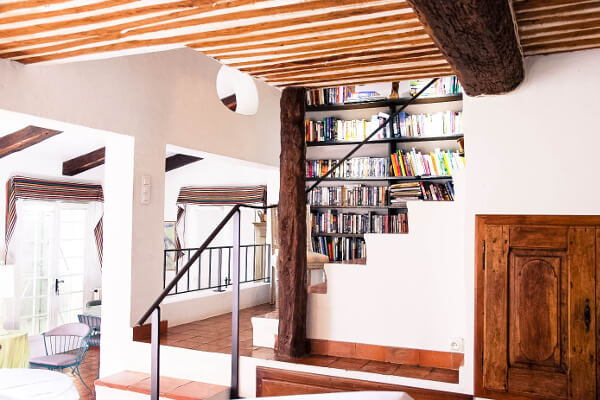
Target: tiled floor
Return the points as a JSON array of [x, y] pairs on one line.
[[214, 335], [89, 373]]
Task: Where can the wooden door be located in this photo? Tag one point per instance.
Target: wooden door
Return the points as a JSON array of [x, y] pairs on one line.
[[538, 329]]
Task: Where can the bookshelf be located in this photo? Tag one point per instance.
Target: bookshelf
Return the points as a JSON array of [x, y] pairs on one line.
[[347, 244]]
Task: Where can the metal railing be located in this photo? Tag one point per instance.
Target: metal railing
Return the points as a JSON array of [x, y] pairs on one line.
[[212, 270], [234, 215]]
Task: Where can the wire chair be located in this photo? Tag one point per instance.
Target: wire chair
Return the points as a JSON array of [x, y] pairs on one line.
[[65, 347], [94, 324]]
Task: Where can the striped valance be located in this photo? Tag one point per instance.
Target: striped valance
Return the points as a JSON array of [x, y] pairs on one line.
[[20, 187], [215, 196], [223, 195]]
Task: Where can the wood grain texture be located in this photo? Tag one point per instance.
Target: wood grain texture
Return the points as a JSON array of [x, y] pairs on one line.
[[24, 138], [495, 331], [292, 226], [277, 382], [478, 39], [582, 335], [84, 162], [536, 236]]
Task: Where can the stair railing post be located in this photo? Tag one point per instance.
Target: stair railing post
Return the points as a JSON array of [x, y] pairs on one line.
[[235, 315], [155, 354]]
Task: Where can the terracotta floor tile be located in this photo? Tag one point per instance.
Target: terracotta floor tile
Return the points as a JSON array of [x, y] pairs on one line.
[[321, 361], [167, 385], [196, 391], [353, 364], [379, 367]]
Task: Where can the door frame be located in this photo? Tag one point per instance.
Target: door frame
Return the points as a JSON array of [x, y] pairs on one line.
[[481, 220]]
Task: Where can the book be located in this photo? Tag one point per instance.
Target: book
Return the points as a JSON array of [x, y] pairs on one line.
[[442, 123], [435, 163], [348, 196], [335, 222], [443, 86], [340, 249], [358, 167]]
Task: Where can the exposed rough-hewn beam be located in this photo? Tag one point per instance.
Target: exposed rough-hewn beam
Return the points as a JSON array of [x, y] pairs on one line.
[[24, 138], [478, 39], [292, 227], [179, 160], [84, 162]]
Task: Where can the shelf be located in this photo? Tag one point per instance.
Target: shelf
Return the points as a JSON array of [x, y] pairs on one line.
[[351, 235], [358, 207], [405, 139], [385, 178], [384, 103]]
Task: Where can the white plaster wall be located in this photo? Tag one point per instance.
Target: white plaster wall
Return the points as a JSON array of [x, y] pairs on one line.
[[159, 98], [533, 151]]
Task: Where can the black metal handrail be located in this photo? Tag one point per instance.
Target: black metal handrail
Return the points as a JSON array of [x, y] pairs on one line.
[[204, 275], [154, 309]]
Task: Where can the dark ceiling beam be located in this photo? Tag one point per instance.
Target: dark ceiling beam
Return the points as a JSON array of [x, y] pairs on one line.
[[96, 158], [478, 39], [83, 163], [179, 160], [24, 138]]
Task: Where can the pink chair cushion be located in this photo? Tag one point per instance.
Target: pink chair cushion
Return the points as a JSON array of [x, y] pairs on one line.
[[55, 360]]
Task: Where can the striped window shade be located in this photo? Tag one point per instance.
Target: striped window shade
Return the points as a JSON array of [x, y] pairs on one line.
[[215, 196], [21, 187]]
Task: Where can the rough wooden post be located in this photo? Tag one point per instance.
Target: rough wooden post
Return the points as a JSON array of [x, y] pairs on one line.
[[291, 262]]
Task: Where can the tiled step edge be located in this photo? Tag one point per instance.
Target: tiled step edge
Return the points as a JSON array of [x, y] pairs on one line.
[[170, 388]]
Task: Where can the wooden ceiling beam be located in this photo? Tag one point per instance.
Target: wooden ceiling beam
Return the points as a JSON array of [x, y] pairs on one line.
[[567, 45], [287, 38], [575, 27], [478, 39], [349, 76], [323, 59], [372, 65], [24, 138], [528, 5], [399, 39], [359, 80], [433, 55], [179, 160], [84, 162]]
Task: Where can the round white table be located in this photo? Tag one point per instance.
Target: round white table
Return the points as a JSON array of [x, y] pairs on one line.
[[38, 384]]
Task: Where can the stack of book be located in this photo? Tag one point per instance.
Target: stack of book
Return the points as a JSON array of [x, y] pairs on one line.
[[443, 86], [340, 249], [335, 95], [438, 124], [348, 196], [358, 167], [437, 191], [334, 129], [334, 222], [436, 163], [389, 223], [400, 192]]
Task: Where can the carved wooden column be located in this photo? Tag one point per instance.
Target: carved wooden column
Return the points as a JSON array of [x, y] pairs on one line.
[[291, 262]]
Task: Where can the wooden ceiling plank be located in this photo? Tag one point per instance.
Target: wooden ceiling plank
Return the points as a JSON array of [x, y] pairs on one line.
[[368, 69], [557, 19], [362, 80], [24, 138], [323, 59], [572, 8], [320, 57], [64, 11], [353, 75], [400, 38], [84, 162], [179, 38], [478, 39], [559, 36], [433, 55], [179, 160], [567, 44], [27, 4], [144, 27], [290, 38], [529, 5], [114, 32], [527, 33]]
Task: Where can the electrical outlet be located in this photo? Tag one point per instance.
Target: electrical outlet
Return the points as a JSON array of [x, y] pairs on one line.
[[457, 345]]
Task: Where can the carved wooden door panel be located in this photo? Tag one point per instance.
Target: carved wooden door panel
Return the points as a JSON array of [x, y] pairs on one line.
[[539, 311]]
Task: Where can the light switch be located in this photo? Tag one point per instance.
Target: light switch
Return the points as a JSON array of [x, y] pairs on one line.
[[146, 189]]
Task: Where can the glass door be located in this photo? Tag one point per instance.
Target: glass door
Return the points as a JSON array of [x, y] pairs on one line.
[[51, 264]]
